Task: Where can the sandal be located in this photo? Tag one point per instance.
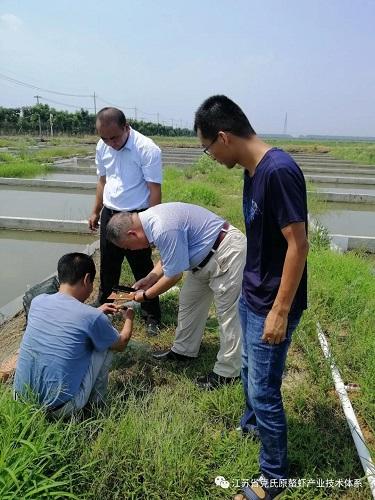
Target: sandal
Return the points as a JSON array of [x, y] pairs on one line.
[[258, 492]]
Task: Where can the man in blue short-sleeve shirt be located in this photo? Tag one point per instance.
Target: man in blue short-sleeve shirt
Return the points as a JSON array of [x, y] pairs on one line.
[[65, 353], [274, 281], [273, 198]]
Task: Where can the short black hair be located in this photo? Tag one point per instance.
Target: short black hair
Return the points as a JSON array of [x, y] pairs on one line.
[[219, 113], [72, 267], [109, 114]]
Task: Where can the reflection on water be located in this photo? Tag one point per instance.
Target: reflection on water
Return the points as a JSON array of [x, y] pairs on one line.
[[349, 219], [345, 188], [69, 176], [45, 204], [28, 257]]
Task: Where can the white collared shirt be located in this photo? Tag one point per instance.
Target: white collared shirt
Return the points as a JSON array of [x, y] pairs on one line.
[[128, 171]]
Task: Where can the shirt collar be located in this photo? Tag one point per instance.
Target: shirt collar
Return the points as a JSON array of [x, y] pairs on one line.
[[130, 142]]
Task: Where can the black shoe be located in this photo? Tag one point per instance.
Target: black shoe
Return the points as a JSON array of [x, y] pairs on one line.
[[170, 356], [213, 381], [152, 329]]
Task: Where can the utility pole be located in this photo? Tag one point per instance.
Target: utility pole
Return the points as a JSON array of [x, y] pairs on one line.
[[37, 97], [51, 123], [285, 124], [94, 96], [135, 113], [157, 118], [40, 127]]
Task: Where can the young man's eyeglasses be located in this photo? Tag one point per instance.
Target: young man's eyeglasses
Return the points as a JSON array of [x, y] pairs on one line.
[[206, 149]]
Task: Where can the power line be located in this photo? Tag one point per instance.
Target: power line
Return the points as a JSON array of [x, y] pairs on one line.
[[93, 96], [63, 103], [111, 103], [30, 86]]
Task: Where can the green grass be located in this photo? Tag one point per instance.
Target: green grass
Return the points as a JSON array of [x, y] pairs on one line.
[[27, 163], [67, 146], [161, 437], [357, 152], [49, 154], [36, 456], [18, 141], [18, 166], [176, 142], [344, 303]]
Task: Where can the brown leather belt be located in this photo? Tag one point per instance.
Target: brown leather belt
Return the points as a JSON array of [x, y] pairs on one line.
[[215, 246]]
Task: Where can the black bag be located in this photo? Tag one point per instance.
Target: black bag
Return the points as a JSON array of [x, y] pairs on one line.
[[50, 285]]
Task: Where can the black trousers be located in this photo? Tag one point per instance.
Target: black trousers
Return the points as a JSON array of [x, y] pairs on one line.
[[111, 258]]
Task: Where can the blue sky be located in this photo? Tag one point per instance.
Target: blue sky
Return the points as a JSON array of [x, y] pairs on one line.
[[312, 59]]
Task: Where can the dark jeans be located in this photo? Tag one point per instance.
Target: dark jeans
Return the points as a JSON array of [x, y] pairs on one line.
[[111, 258], [262, 369]]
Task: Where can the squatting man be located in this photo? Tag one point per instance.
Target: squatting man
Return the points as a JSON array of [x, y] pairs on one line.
[[66, 351], [191, 238]]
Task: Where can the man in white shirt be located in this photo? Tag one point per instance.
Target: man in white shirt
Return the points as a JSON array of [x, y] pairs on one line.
[[130, 174]]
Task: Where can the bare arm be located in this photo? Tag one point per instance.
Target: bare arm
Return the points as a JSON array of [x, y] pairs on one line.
[[161, 286], [152, 277], [94, 217], [277, 319], [126, 331], [155, 283], [155, 193]]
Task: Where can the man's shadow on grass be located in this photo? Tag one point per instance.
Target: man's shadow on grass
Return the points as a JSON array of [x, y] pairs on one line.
[[321, 446], [137, 369]]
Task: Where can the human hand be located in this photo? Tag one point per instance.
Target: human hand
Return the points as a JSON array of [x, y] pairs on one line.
[[275, 327], [146, 282], [93, 221], [108, 308], [138, 297], [128, 316]]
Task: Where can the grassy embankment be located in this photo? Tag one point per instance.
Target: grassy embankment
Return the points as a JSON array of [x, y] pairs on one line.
[[163, 438], [358, 152], [24, 161], [28, 163]]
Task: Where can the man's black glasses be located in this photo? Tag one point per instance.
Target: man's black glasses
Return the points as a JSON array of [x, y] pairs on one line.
[[206, 149]]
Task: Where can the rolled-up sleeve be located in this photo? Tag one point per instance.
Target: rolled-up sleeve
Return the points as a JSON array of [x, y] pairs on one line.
[[100, 169], [152, 164]]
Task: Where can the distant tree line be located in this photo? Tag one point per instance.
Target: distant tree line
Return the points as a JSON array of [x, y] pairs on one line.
[[44, 121]]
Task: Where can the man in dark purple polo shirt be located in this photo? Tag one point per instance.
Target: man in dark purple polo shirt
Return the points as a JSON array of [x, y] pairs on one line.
[[274, 290]]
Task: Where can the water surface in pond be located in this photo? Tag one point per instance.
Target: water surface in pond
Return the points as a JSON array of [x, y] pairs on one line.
[[28, 257], [349, 219], [45, 204]]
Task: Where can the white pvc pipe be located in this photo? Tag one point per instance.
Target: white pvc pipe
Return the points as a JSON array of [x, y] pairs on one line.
[[355, 430]]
